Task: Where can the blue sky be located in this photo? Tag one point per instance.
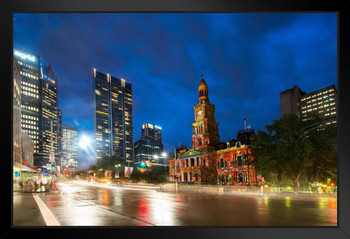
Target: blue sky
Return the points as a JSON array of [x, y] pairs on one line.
[[247, 60]]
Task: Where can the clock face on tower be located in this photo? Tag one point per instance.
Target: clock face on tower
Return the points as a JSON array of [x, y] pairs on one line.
[[205, 129]]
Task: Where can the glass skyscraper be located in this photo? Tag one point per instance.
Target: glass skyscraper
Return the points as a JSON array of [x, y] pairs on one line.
[[29, 69], [150, 143], [69, 149], [113, 122], [50, 118], [39, 106]]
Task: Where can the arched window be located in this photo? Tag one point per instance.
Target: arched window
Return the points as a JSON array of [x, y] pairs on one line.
[[233, 161], [240, 160], [222, 163]]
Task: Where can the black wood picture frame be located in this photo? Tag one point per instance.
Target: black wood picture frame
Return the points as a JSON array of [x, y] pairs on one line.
[[342, 8]]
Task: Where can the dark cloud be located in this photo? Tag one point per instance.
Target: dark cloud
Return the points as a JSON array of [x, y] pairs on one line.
[[247, 60]]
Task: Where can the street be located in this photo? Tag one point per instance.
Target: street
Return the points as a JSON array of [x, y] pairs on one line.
[[84, 204]]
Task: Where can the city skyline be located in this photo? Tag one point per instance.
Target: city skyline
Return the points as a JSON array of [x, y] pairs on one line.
[[247, 60]]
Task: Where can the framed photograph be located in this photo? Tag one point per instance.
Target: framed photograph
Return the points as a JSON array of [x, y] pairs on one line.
[[177, 119]]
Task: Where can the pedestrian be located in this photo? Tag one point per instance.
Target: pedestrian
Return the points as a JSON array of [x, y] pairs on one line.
[[54, 183], [43, 184], [261, 183], [37, 183]]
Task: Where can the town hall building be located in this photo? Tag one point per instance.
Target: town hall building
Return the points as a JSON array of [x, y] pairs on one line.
[[232, 160]]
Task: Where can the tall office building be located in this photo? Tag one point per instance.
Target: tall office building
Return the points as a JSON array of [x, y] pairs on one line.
[[29, 69], [150, 143], [16, 113], [49, 117], [69, 149], [290, 101], [23, 147], [113, 122], [39, 106], [151, 132], [322, 103]]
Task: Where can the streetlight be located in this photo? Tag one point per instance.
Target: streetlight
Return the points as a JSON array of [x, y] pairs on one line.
[[84, 141], [155, 156], [163, 154], [117, 171]]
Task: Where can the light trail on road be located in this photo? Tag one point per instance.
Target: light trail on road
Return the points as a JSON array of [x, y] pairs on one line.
[[85, 204]]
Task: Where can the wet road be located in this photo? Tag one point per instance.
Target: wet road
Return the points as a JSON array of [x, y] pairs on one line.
[[81, 204]]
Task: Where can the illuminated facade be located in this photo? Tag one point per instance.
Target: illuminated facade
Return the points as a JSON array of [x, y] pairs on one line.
[[150, 143], [234, 164], [322, 103], [69, 150], [39, 106], [151, 132], [205, 130], [230, 161], [113, 122], [29, 69], [16, 113], [49, 118]]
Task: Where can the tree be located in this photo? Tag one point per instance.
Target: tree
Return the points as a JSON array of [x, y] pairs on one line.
[[324, 154], [136, 175], [262, 148], [109, 163], [292, 147], [208, 174], [156, 174]]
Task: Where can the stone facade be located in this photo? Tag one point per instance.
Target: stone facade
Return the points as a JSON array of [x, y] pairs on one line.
[[232, 163]]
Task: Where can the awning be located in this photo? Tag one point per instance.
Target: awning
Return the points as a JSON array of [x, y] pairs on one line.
[[21, 167]]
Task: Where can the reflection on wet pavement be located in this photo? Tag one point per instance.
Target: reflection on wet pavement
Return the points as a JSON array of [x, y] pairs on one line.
[[82, 204]]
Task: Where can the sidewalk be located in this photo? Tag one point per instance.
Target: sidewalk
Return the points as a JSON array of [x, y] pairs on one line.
[[26, 211]]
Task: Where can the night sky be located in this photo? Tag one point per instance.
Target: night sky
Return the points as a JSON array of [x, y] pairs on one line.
[[247, 60]]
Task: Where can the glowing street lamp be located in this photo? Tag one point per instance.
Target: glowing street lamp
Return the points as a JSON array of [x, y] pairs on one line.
[[84, 142], [163, 155], [155, 156]]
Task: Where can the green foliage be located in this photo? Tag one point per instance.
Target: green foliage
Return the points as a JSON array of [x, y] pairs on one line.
[[291, 148], [156, 174], [109, 163], [208, 174], [136, 175]]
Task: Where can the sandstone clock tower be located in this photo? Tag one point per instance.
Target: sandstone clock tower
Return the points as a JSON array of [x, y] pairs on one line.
[[205, 130]]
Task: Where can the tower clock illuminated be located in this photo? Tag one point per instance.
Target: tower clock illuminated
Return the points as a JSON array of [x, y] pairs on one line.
[[205, 128]]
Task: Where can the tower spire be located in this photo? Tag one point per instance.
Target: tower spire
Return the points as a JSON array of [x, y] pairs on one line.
[[245, 123], [203, 89]]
